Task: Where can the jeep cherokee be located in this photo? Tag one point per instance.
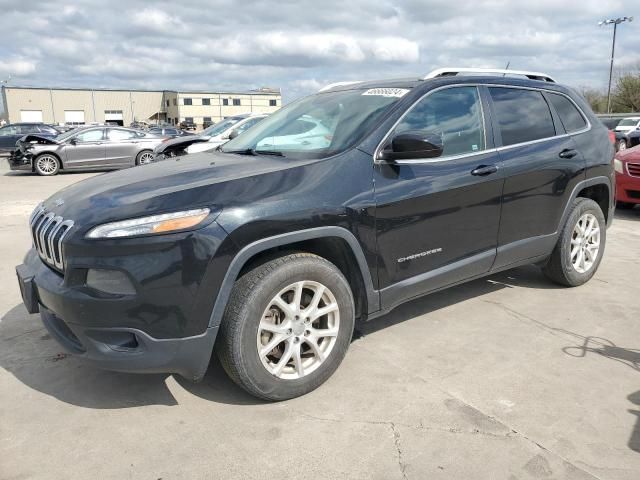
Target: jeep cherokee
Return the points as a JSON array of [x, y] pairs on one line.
[[268, 251]]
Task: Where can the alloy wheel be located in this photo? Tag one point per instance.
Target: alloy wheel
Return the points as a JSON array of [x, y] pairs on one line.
[[622, 145], [585, 243], [47, 164], [298, 330], [146, 157]]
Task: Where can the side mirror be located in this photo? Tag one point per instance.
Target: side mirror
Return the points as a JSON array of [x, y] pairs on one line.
[[411, 145], [233, 134], [73, 141]]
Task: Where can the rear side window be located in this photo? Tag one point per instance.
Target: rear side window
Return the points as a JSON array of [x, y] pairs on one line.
[[569, 115], [455, 114], [523, 115]]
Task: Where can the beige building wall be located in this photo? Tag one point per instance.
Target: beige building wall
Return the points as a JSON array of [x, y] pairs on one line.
[[258, 102], [148, 106]]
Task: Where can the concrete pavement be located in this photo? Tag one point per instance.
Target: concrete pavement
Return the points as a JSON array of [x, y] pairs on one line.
[[506, 377]]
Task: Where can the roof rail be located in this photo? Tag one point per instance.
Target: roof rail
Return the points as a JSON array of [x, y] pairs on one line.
[[337, 84], [453, 71]]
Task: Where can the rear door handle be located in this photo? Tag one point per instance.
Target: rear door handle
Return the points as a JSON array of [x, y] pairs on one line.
[[484, 170], [567, 153]]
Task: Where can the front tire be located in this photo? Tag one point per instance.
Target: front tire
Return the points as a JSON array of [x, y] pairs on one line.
[[622, 144], [577, 255], [144, 157], [46, 165], [287, 326]]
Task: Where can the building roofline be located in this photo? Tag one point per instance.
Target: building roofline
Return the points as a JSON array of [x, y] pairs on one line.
[[217, 92]]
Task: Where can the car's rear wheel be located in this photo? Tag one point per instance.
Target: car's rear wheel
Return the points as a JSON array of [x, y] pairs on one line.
[[46, 165], [622, 144], [624, 205], [287, 326], [580, 245], [144, 157]]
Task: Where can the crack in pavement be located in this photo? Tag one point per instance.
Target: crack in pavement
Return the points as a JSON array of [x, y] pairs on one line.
[[396, 441], [495, 419]]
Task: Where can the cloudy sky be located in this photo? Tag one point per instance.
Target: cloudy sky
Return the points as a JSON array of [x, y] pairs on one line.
[[301, 45]]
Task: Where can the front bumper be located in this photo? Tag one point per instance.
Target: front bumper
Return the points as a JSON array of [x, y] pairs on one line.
[[69, 314], [627, 188], [18, 160]]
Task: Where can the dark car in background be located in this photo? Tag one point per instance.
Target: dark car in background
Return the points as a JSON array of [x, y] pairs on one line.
[[269, 250], [91, 148], [10, 134], [187, 125]]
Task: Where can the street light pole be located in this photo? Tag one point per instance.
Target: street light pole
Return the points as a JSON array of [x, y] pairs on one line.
[[615, 22]]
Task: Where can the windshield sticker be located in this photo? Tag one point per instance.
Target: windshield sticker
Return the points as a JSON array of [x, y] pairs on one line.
[[387, 92]]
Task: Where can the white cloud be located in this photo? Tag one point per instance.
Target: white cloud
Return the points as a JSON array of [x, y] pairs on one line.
[[301, 46], [16, 67]]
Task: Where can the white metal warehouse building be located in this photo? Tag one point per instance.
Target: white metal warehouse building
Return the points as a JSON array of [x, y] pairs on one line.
[[77, 106]]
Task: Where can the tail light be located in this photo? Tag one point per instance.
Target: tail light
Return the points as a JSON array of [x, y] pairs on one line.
[[612, 137]]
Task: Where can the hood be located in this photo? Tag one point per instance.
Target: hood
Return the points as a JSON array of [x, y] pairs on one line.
[[38, 139], [210, 179], [629, 154], [177, 146], [625, 129]]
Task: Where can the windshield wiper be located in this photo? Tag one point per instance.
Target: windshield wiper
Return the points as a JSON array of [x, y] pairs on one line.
[[253, 151]]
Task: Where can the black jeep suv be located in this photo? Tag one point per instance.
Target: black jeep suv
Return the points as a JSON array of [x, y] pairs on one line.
[[335, 209]]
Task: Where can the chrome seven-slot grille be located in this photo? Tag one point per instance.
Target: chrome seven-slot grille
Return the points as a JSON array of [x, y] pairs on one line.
[[47, 231]]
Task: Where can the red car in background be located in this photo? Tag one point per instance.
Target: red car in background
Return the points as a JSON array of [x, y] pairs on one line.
[[627, 167]]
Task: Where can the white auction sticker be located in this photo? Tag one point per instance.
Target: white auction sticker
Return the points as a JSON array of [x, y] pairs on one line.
[[387, 92]]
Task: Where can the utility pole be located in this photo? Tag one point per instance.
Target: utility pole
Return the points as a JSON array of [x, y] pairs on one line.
[[615, 22]]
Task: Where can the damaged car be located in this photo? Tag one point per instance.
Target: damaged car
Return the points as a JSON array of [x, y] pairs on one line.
[[94, 148]]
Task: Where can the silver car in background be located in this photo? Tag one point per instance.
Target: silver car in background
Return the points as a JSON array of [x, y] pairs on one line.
[[92, 148]]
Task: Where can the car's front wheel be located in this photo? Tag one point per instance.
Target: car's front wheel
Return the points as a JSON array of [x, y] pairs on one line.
[[580, 245], [287, 326], [46, 165], [144, 157], [622, 144]]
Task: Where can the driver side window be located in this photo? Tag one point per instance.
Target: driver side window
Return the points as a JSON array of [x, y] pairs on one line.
[[453, 114]]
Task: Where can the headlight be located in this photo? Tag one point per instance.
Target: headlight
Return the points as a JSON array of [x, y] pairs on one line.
[[163, 223], [618, 166]]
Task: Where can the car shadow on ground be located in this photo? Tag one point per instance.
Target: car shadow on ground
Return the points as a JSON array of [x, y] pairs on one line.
[[35, 359], [630, 357]]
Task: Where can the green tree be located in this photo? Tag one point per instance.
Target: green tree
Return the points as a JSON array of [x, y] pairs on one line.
[[626, 94], [595, 98]]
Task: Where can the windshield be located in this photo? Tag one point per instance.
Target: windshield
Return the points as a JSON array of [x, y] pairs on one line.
[[318, 126], [628, 122], [65, 135], [219, 127]]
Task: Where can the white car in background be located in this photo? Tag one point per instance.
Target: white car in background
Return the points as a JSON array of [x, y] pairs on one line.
[[628, 124], [223, 131], [305, 133]]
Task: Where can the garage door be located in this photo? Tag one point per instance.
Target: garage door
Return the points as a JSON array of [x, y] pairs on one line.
[[74, 117], [114, 117], [34, 116]]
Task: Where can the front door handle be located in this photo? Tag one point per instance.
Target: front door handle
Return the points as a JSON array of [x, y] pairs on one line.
[[484, 170], [567, 153]]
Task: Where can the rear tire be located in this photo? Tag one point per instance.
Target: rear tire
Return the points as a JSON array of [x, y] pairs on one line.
[[144, 157], [577, 255], [624, 205], [275, 340], [46, 165]]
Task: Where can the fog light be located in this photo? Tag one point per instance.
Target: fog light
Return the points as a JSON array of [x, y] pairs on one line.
[[110, 281]]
